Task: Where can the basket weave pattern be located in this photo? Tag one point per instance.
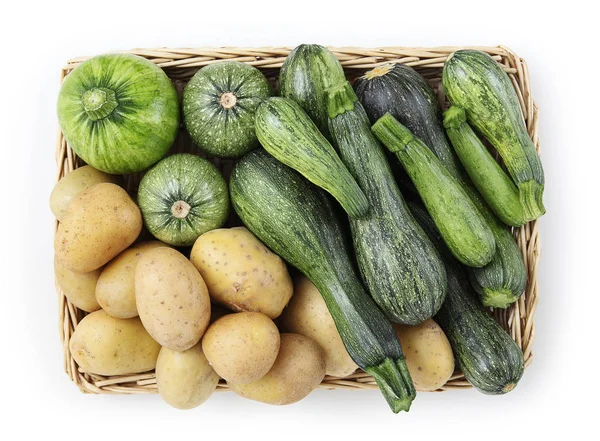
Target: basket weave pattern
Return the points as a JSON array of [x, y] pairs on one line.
[[181, 64]]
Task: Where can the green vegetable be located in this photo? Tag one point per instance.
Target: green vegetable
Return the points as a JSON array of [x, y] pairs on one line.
[[498, 190], [474, 81], [219, 105], [305, 75], [118, 112], [462, 226], [182, 197], [489, 358], [297, 221], [400, 267], [287, 133]]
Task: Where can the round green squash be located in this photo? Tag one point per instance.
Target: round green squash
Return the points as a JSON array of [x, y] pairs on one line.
[[118, 112], [182, 197], [219, 104]]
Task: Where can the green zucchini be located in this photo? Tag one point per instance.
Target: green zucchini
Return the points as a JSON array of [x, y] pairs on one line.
[[490, 360], [400, 267], [462, 226], [305, 75], [498, 190], [297, 221], [118, 112], [219, 105], [287, 133], [474, 81], [408, 97]]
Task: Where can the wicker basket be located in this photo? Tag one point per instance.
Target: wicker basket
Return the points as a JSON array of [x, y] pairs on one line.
[[181, 64]]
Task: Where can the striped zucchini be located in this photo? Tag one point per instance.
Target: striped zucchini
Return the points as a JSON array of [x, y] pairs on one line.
[[400, 267], [474, 81], [287, 133], [462, 226], [297, 221]]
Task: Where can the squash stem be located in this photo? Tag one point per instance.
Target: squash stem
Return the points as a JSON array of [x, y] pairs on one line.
[[99, 102], [498, 298], [530, 194], [340, 98], [392, 134], [395, 383]]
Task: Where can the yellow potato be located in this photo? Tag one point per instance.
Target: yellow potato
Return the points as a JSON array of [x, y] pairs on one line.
[[79, 288], [299, 368], [105, 345], [74, 183], [185, 379], [172, 299], [428, 354], [241, 347], [307, 315], [115, 291], [100, 223], [241, 273]]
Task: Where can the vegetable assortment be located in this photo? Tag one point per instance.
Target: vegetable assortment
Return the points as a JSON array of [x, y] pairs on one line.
[[292, 295]]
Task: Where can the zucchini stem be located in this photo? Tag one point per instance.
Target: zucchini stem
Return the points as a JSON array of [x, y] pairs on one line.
[[530, 195], [99, 102], [395, 383], [340, 99]]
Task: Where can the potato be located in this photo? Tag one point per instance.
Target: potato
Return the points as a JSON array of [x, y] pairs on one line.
[[241, 273], [241, 347], [185, 379], [428, 354], [100, 223], [307, 315], [172, 299], [105, 345], [298, 369], [79, 288], [115, 291], [74, 183]]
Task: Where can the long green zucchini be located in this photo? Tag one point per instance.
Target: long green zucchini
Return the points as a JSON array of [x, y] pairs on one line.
[[408, 97], [402, 270], [489, 358], [462, 226], [297, 221], [287, 133], [498, 190], [474, 81]]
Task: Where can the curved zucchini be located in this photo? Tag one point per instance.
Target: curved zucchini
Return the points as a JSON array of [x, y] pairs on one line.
[[498, 190], [474, 81], [297, 221], [287, 133], [489, 358], [402, 270], [462, 226]]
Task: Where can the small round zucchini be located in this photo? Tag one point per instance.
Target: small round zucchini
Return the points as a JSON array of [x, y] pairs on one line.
[[182, 197], [219, 104]]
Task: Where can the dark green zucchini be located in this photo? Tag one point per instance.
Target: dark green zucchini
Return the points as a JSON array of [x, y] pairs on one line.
[[462, 226], [297, 221], [489, 358], [400, 267], [305, 75], [408, 97], [287, 133], [498, 190], [474, 81]]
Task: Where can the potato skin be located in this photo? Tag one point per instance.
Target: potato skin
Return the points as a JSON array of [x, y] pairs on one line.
[[105, 345], [241, 347], [428, 354], [74, 183], [307, 314], [184, 378], [115, 291], [100, 223], [241, 273], [79, 288], [172, 299], [299, 368]]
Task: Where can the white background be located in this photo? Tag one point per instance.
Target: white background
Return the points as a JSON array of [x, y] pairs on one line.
[[557, 395]]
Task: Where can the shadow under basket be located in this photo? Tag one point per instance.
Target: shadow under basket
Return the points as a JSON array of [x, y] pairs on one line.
[[181, 64]]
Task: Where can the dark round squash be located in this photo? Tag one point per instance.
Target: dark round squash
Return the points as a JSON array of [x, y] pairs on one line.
[[182, 197], [219, 104]]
